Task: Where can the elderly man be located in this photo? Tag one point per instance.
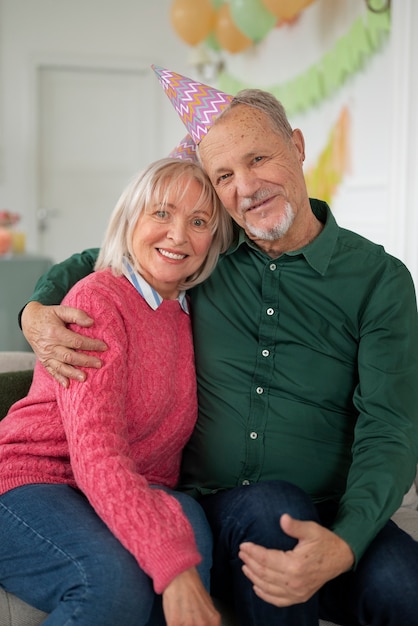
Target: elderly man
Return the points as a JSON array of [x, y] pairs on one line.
[[306, 341]]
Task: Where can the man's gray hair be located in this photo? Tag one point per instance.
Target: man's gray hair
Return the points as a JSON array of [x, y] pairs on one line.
[[267, 103]]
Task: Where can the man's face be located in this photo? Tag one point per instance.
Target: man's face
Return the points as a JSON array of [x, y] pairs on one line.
[[256, 173]]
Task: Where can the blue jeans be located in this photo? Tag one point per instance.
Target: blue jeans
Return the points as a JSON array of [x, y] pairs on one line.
[[380, 591], [57, 555]]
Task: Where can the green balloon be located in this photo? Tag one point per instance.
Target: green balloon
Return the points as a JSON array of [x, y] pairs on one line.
[[252, 18], [212, 42]]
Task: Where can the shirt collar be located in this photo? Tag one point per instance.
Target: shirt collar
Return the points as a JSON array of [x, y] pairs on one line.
[[318, 253], [151, 297]]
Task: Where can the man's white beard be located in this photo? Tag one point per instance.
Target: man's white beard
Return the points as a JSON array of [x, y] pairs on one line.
[[275, 232]]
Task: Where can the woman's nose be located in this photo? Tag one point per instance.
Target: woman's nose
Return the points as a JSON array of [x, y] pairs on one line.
[[177, 231]]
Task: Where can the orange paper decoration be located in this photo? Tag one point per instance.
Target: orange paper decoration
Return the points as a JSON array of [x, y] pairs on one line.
[[324, 178], [286, 9], [229, 37], [192, 20]]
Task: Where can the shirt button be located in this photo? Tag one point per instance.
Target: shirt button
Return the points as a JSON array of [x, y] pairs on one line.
[[265, 352], [273, 266], [245, 482], [259, 390], [270, 311], [253, 435]]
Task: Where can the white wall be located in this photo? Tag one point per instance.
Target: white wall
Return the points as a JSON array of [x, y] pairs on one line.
[[378, 198], [123, 30]]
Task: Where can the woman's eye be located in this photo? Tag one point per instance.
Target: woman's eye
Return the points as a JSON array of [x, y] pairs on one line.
[[161, 214], [199, 223]]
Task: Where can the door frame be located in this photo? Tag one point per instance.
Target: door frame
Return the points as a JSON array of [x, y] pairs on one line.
[[67, 62], [403, 185]]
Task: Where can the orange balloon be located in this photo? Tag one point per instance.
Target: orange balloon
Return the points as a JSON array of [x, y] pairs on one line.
[[192, 20], [230, 38], [286, 9]]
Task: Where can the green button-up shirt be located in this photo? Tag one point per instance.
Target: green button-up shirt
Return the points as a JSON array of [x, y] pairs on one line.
[[307, 371]]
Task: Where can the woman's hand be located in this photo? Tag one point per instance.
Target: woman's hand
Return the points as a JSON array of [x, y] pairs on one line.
[[57, 347], [187, 603]]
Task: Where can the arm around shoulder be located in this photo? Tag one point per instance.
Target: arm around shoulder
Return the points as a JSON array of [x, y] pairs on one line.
[[45, 327]]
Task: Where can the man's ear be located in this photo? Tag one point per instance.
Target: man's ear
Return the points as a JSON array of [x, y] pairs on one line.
[[299, 142]]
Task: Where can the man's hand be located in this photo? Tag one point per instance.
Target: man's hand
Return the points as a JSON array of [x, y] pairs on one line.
[[187, 603], [285, 578], [55, 345]]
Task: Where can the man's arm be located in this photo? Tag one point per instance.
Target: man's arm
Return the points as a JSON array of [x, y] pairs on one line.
[[43, 321], [385, 446]]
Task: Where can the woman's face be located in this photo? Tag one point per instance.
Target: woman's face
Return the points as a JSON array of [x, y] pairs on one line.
[[171, 240]]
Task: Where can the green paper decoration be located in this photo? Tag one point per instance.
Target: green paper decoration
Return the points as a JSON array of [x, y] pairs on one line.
[[252, 18], [321, 80]]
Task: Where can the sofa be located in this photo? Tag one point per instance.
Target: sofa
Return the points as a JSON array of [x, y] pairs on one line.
[[15, 378]]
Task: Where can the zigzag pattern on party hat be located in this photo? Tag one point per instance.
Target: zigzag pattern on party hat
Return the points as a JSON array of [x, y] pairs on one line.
[[185, 149], [197, 104]]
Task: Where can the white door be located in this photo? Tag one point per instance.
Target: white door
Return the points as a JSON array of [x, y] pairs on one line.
[[97, 128]]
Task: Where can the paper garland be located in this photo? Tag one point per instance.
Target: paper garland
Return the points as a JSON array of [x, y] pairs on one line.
[[323, 179], [319, 81]]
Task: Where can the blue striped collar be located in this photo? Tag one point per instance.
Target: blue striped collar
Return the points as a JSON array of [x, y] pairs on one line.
[[151, 297]]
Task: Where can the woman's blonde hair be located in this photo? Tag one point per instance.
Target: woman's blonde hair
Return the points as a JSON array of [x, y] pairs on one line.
[[152, 186]]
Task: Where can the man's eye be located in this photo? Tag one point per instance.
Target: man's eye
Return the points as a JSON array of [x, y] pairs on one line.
[[223, 177], [258, 159]]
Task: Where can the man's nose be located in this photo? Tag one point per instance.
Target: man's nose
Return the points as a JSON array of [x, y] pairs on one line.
[[246, 183]]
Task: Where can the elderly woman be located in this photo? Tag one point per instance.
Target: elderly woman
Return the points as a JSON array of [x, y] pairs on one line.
[[93, 531]]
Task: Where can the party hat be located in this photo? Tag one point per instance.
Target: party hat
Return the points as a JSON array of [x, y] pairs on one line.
[[198, 105], [185, 149]]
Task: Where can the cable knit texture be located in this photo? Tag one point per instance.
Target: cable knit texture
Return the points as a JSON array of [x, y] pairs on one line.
[[122, 429]]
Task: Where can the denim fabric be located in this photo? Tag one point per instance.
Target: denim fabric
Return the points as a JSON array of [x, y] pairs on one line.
[[380, 591], [58, 555]]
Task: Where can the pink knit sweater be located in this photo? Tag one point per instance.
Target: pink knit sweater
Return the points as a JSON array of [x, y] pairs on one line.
[[122, 429]]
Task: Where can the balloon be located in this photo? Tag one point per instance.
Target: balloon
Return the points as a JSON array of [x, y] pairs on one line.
[[212, 42], [230, 38], [192, 19], [252, 18], [286, 9]]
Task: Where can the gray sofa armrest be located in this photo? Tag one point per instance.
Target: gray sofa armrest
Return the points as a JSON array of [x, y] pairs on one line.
[[14, 612], [15, 361]]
